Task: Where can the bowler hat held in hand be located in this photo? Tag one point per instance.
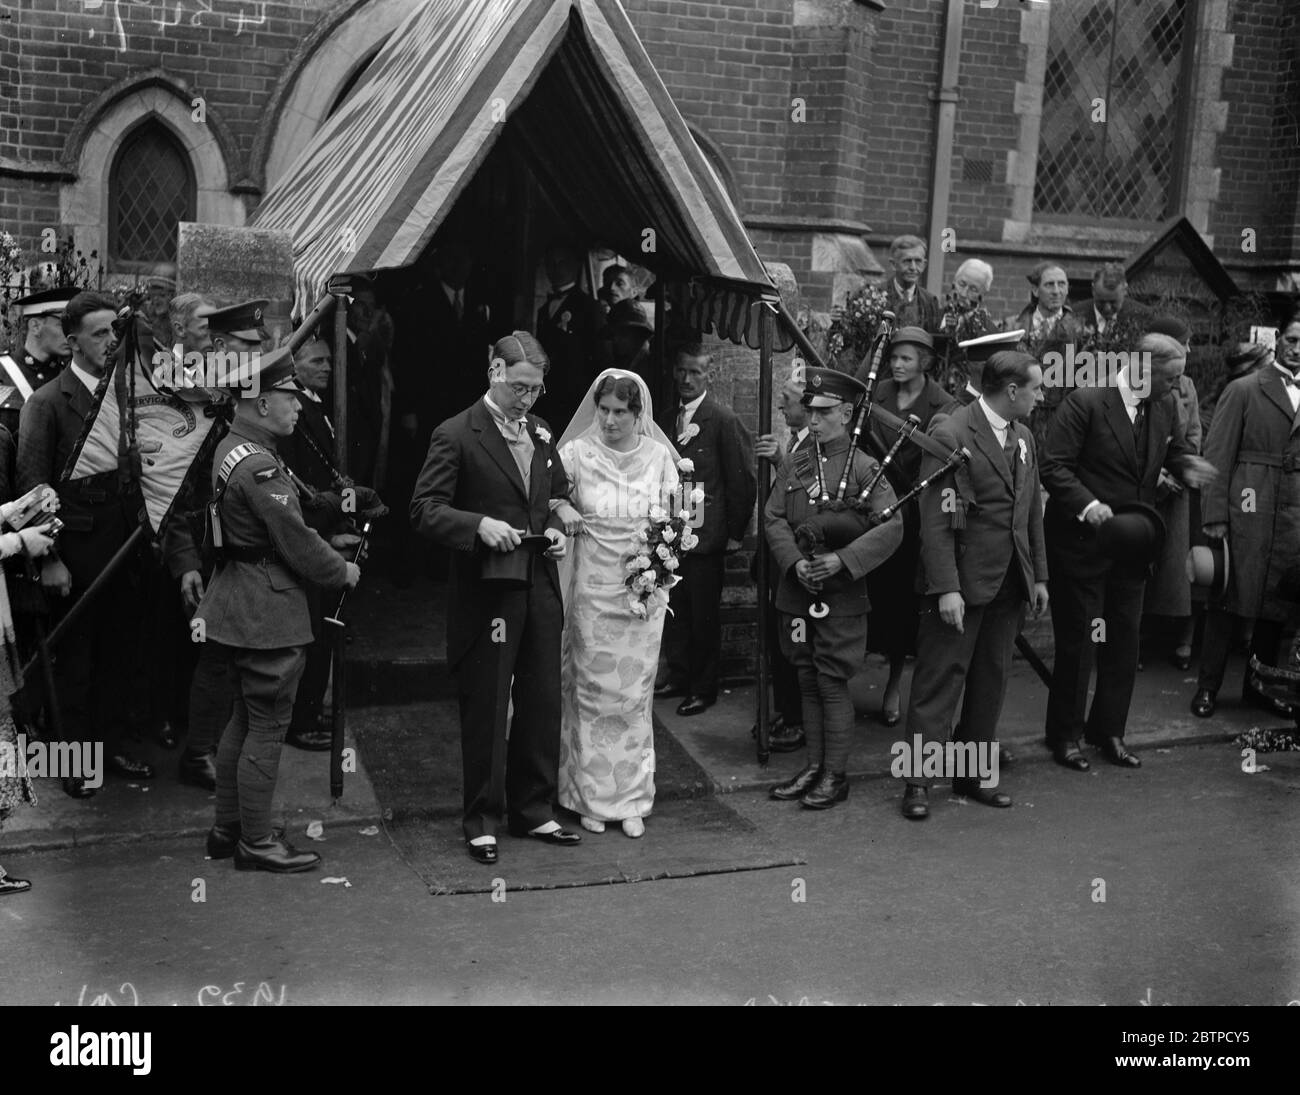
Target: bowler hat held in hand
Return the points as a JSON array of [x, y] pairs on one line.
[[514, 569], [1134, 536]]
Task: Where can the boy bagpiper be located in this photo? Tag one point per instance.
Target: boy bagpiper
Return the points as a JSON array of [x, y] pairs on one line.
[[823, 546]]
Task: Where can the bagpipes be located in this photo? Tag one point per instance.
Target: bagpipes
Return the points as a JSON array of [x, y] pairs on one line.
[[839, 520]]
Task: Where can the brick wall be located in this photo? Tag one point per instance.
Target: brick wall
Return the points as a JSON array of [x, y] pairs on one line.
[[1258, 156]]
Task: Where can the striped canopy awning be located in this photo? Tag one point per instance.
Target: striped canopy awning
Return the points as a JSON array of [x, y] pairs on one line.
[[596, 123]]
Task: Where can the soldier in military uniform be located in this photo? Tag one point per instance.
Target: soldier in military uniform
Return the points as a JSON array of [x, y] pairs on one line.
[[822, 596], [254, 613], [43, 354], [206, 689]]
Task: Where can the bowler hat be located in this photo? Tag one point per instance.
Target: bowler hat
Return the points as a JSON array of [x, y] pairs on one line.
[[1209, 566], [514, 569], [917, 336], [629, 313], [1134, 536]]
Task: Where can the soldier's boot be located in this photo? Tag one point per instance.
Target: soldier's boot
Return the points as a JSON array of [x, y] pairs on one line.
[[795, 788], [270, 854], [833, 787]]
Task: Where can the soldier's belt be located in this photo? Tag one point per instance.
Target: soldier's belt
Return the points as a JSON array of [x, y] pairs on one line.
[[234, 554]]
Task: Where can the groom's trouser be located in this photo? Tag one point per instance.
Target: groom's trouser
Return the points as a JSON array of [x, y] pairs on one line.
[[519, 637]]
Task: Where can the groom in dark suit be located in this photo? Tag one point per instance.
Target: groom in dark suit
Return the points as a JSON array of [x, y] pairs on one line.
[[493, 474]]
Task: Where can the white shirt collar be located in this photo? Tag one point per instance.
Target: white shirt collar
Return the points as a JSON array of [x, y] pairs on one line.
[[903, 292], [1130, 397], [451, 293], [88, 379], [974, 391], [800, 435], [1284, 370], [694, 404], [499, 414], [995, 420]]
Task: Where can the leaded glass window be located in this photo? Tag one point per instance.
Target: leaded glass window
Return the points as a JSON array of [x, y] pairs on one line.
[[1107, 148], [151, 190]]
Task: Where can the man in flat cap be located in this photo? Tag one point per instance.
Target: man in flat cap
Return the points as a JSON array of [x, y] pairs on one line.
[[1255, 504], [822, 557], [254, 613], [1105, 448], [983, 558]]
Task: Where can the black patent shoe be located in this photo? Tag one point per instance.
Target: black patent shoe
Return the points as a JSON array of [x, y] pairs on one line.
[[1204, 703], [167, 736], [482, 853], [985, 796], [1069, 755], [1115, 751], [198, 770], [9, 884], [222, 840], [786, 739], [916, 802], [795, 788], [833, 787], [277, 856]]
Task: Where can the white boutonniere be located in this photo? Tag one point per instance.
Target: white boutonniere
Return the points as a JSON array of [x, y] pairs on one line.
[[1024, 451], [543, 434], [686, 467], [692, 430], [563, 322]]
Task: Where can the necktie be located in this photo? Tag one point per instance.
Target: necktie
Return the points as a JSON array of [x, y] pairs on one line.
[[1138, 418], [460, 303], [521, 448], [1009, 450], [681, 419], [794, 440]]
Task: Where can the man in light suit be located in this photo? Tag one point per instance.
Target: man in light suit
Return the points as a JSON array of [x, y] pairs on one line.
[[494, 470], [715, 441], [982, 559], [1105, 448]]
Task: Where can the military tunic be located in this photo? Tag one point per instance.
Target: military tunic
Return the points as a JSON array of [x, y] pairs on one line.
[[261, 604], [257, 622], [836, 641]]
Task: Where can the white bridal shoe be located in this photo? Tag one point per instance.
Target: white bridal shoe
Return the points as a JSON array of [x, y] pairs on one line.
[[633, 826], [592, 825]]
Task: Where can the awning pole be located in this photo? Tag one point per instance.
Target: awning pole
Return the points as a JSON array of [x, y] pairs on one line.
[[307, 329], [764, 487], [663, 387], [341, 381]]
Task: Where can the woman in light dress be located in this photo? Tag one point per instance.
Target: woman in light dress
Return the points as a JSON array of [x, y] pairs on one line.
[[620, 464]]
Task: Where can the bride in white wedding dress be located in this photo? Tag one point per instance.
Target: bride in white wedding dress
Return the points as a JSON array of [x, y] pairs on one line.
[[620, 464]]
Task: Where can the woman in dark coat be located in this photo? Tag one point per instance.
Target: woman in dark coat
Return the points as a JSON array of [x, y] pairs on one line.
[[891, 587]]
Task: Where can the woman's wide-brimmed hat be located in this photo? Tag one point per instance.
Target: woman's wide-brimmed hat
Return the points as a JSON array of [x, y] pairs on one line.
[[1134, 536], [1209, 566]]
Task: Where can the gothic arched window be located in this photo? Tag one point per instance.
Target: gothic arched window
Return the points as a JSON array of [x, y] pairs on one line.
[[150, 190]]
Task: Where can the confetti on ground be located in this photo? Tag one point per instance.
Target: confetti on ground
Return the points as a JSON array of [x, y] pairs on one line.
[[315, 830], [369, 830], [336, 881]]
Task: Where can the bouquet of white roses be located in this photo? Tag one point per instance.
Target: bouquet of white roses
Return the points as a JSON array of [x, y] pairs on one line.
[[656, 553]]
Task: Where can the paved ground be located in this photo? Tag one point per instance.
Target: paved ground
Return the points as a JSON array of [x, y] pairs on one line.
[[1199, 862]]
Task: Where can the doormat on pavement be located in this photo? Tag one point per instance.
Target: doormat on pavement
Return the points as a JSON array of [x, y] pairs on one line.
[[684, 837], [411, 753]]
